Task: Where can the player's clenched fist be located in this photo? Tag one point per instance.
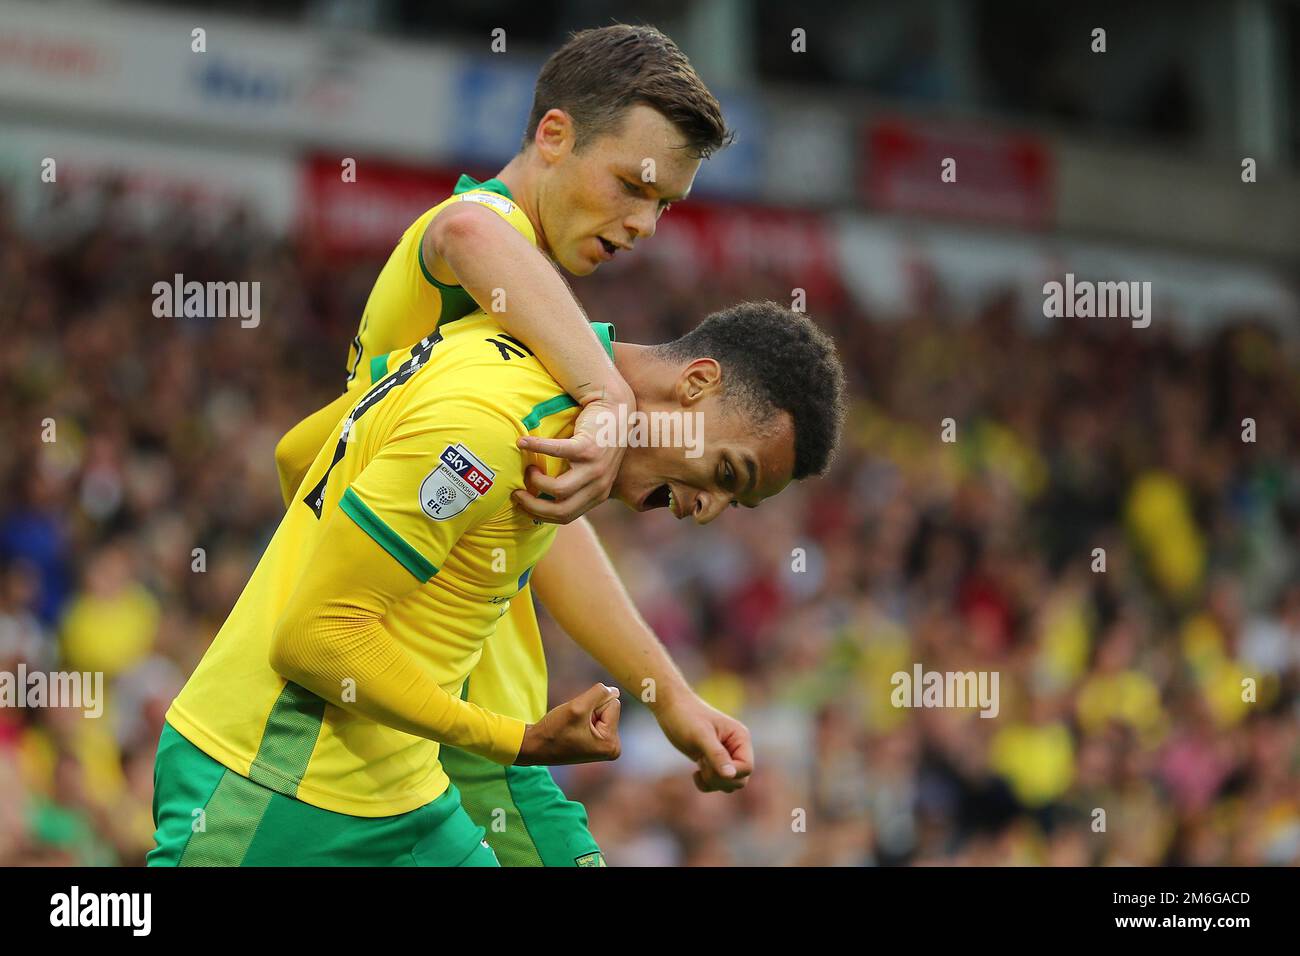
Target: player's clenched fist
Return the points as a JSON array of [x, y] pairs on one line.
[[581, 730]]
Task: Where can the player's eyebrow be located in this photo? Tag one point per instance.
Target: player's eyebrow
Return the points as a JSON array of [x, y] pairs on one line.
[[635, 174]]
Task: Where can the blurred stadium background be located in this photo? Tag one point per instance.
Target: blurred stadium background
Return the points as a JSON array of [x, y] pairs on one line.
[[1119, 690]]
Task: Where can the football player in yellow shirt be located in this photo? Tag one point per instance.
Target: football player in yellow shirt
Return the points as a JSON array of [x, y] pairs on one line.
[[309, 734], [619, 126]]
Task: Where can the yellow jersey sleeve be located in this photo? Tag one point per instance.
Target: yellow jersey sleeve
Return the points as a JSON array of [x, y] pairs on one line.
[[504, 207], [407, 302], [448, 467], [335, 630]]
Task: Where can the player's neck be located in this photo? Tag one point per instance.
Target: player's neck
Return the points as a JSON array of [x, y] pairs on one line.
[[519, 178], [642, 369]]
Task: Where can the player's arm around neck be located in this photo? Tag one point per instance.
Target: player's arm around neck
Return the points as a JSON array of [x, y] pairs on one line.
[[511, 280]]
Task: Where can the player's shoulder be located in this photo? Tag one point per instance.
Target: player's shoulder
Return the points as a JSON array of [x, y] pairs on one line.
[[417, 228], [475, 369], [473, 361], [490, 195], [485, 197]]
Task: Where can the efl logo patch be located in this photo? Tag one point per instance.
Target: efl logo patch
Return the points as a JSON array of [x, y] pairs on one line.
[[455, 483], [590, 859]]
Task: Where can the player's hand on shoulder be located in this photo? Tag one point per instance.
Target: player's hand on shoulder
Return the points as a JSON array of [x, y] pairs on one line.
[[582, 730], [593, 464]]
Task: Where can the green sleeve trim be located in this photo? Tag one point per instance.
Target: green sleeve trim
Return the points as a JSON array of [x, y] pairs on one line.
[[456, 302], [378, 367], [419, 254], [605, 332], [549, 407], [386, 537]]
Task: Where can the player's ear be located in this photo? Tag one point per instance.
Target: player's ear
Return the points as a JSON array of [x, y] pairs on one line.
[[555, 135], [699, 380]]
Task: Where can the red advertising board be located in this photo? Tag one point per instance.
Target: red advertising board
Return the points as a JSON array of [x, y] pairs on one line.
[[998, 177], [366, 216], [792, 246]]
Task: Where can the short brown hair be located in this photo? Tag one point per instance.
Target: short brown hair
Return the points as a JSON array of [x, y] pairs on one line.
[[598, 74]]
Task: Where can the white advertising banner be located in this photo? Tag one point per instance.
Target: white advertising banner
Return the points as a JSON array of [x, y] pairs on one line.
[[114, 63], [888, 265], [157, 177]]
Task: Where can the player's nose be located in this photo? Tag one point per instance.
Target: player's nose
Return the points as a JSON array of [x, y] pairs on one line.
[[641, 225], [707, 507]]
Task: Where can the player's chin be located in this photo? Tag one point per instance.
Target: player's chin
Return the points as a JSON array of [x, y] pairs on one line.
[[579, 264], [626, 495]]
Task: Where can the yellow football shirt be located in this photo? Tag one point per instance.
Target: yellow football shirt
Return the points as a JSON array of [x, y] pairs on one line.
[[407, 302], [424, 463]]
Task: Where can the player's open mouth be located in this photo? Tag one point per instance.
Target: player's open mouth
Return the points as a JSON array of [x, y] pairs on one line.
[[608, 246], [661, 497]]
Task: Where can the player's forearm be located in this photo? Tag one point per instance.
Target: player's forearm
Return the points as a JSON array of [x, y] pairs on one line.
[[580, 589], [350, 660], [331, 639], [514, 282]]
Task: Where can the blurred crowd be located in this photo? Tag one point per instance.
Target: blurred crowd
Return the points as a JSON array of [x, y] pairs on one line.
[[1104, 533]]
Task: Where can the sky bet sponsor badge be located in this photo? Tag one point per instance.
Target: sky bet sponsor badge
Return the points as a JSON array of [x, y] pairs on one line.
[[457, 481]]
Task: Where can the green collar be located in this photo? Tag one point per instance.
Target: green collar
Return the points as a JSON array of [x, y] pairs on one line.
[[467, 182]]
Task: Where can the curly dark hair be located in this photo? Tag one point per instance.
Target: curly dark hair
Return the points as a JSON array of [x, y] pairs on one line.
[[598, 74], [774, 359]]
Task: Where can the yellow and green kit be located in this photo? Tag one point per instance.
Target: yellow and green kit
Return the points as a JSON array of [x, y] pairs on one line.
[[424, 464], [528, 819]]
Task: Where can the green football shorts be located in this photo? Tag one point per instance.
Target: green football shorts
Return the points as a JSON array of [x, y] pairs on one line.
[[207, 815], [528, 819]]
